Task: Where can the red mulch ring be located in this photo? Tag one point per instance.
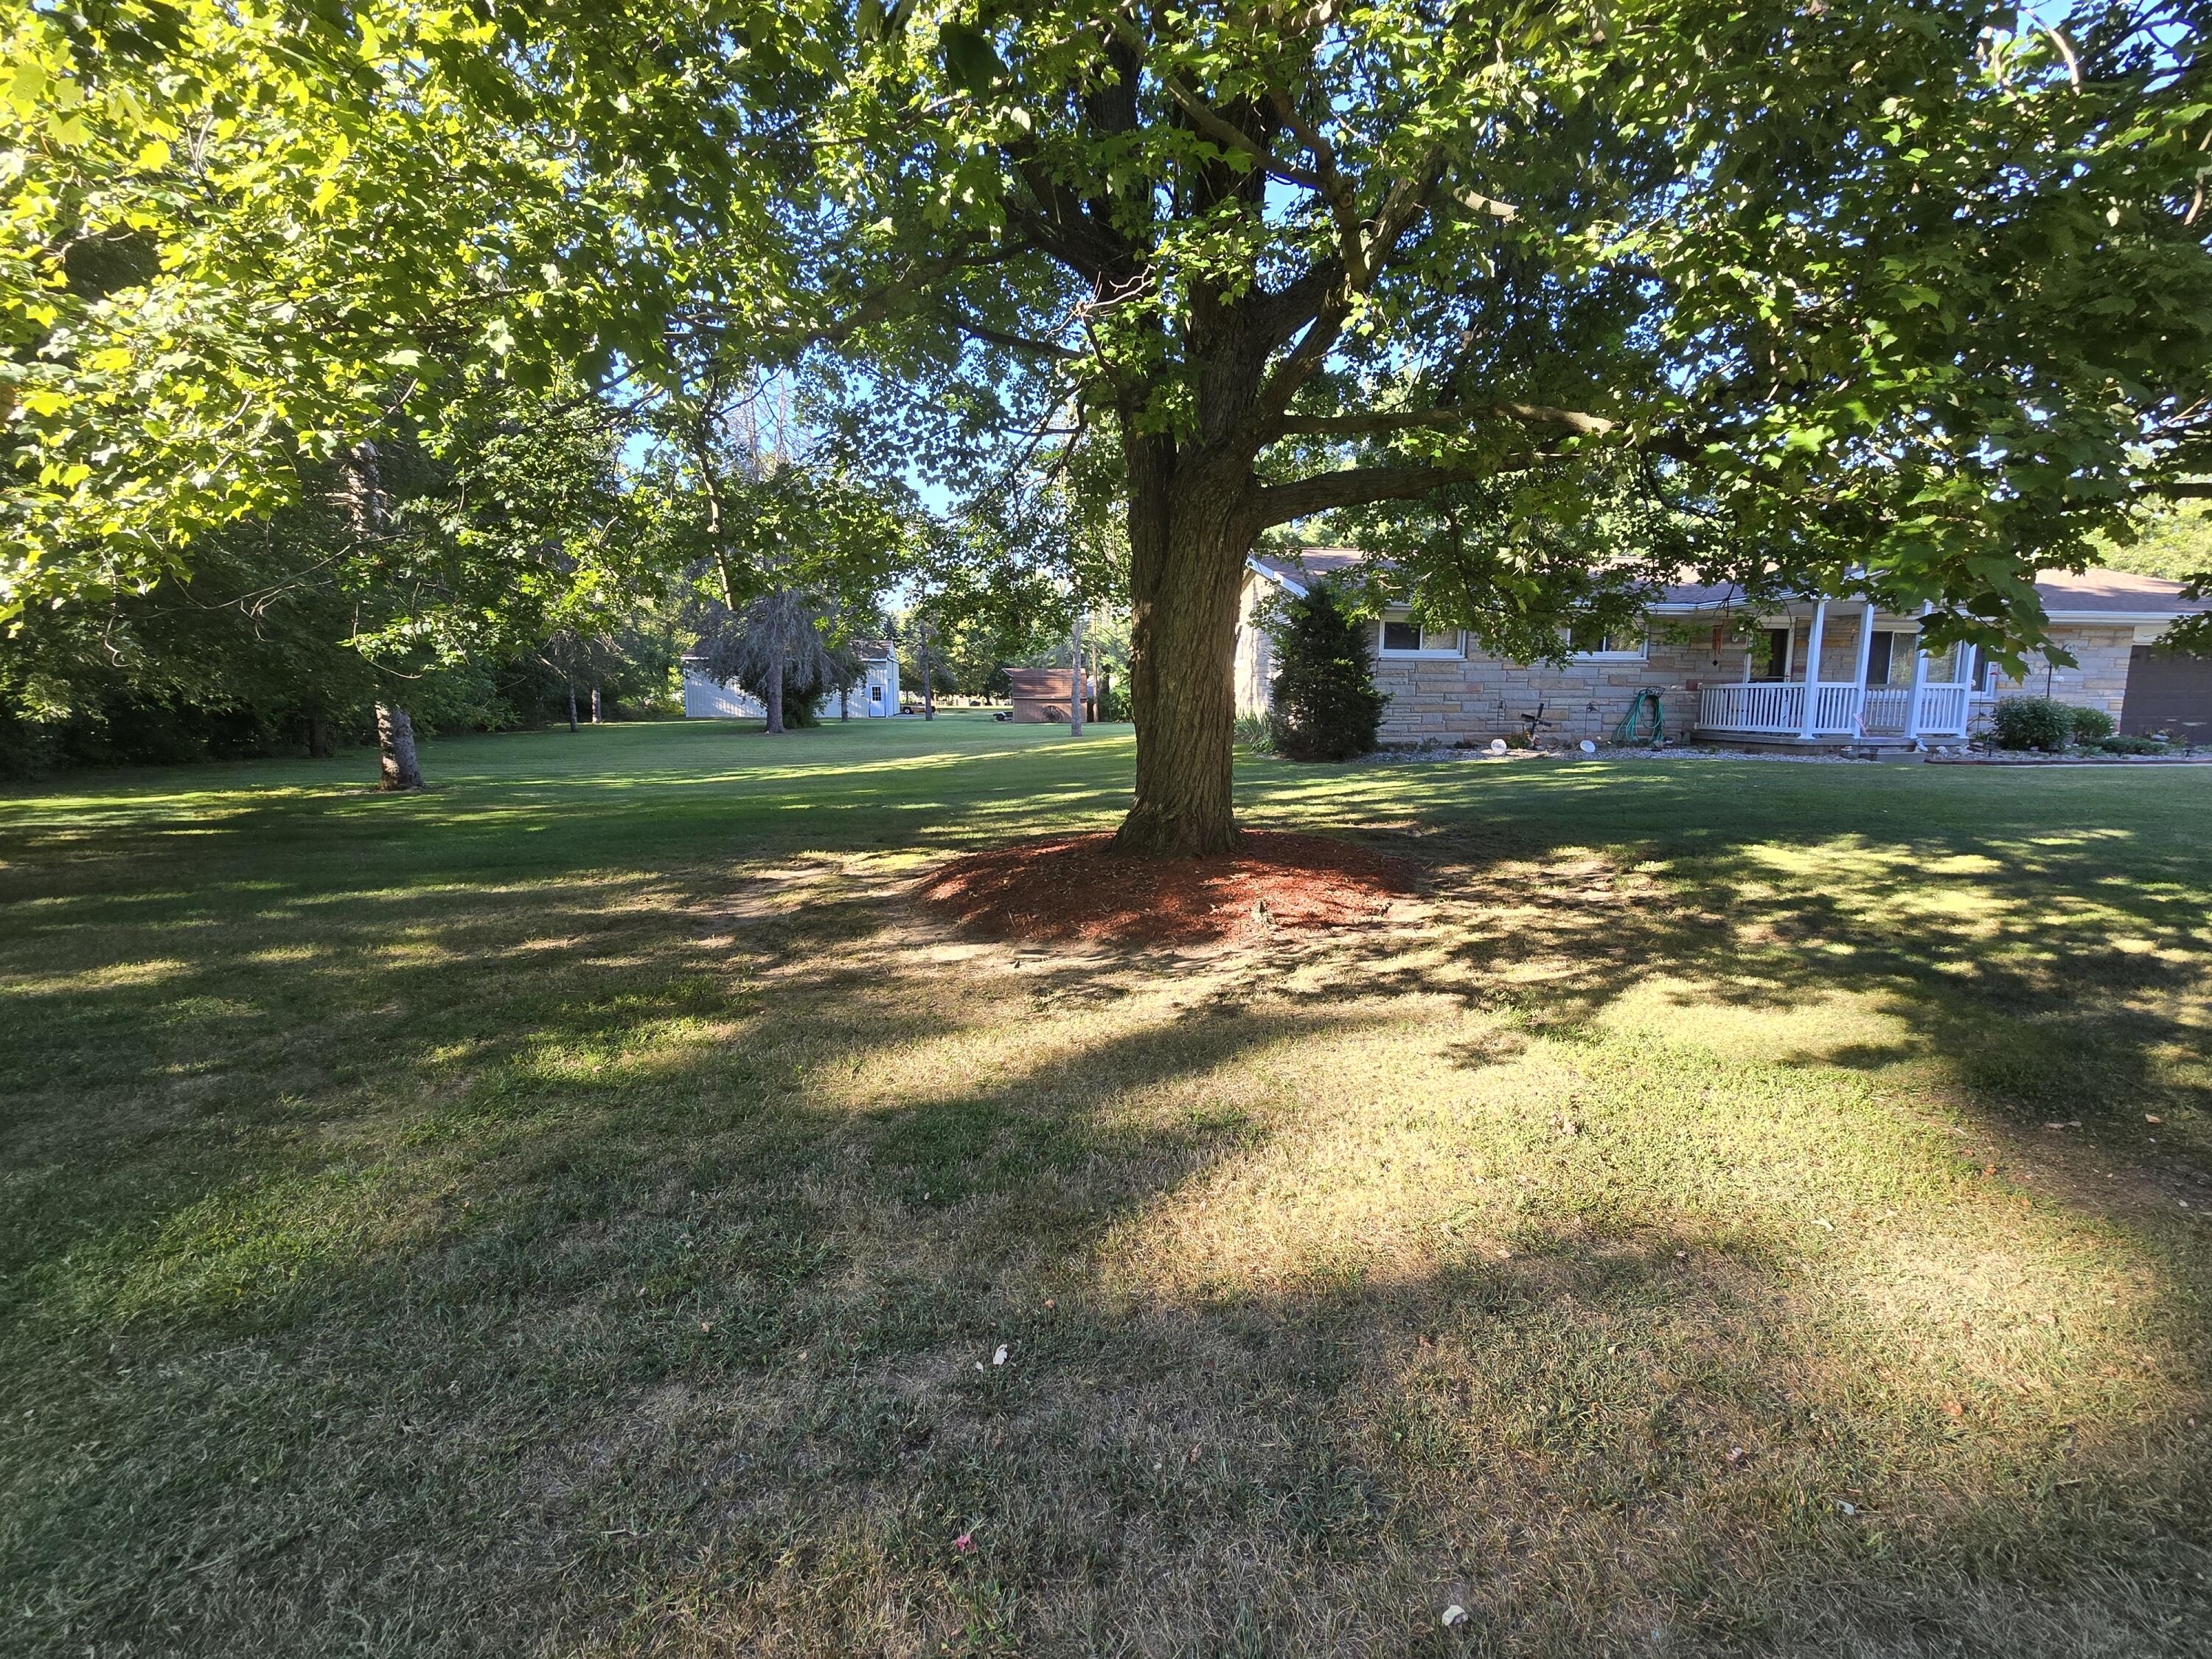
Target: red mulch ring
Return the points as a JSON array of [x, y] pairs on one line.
[[1071, 887]]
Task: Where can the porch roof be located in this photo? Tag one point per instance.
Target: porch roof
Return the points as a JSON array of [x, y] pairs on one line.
[[2094, 595]]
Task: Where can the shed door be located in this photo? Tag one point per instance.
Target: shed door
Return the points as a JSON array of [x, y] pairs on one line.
[[2168, 691]]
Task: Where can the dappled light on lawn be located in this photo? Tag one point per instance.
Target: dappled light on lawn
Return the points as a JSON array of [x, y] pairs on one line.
[[1766, 1210]]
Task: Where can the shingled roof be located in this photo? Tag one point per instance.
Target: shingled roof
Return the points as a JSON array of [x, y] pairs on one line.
[[2117, 594]]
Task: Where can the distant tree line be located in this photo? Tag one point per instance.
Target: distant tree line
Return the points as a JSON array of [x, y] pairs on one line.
[[509, 573]]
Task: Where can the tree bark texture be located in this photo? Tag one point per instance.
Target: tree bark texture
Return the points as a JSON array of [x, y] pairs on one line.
[[1075, 687], [774, 701], [396, 766], [929, 687], [595, 705], [1191, 525], [571, 706]]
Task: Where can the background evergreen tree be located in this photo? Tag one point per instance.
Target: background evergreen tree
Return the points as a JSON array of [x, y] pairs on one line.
[[1325, 703], [778, 648]]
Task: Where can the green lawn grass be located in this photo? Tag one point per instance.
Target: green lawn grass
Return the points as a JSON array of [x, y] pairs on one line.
[[577, 1211]]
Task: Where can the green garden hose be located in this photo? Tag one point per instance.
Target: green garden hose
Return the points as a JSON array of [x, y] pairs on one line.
[[1631, 730]]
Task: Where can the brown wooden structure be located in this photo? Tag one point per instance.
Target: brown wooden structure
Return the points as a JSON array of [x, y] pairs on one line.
[[1041, 694]]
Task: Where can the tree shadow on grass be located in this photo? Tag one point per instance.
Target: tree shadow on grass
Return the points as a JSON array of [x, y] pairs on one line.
[[619, 1263], [1619, 1443]]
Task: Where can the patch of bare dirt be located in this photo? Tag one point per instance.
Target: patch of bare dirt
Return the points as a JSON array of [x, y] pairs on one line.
[[1077, 887]]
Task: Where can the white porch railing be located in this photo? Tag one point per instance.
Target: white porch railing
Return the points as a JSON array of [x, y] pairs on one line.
[[1884, 713], [1836, 713], [1778, 709], [1944, 710], [1769, 706]]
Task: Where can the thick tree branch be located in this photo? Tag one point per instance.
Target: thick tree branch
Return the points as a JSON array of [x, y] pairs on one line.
[[1062, 227], [1360, 486], [1000, 337], [1406, 201], [1209, 121], [1407, 420]]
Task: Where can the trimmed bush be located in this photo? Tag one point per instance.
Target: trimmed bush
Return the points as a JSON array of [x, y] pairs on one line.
[[2033, 723], [1325, 704], [2133, 745], [2090, 724]]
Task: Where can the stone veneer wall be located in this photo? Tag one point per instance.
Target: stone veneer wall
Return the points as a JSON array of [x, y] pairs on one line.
[[2099, 678], [1477, 697]]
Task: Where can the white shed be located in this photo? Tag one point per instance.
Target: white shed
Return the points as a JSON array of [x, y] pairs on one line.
[[874, 695]]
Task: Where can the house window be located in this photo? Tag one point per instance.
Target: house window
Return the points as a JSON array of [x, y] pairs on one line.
[[1406, 639], [1594, 640]]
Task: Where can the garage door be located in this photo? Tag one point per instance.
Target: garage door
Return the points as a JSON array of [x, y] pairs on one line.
[[2168, 691]]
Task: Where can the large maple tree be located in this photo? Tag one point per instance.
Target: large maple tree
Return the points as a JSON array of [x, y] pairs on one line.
[[1904, 297]]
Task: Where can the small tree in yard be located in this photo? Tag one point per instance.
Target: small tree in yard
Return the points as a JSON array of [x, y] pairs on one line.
[[1325, 703]]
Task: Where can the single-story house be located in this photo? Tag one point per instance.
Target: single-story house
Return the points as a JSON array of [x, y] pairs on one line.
[[1811, 671], [875, 694], [1042, 696]]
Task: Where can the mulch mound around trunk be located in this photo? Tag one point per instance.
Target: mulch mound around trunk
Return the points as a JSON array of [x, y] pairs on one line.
[[1077, 887]]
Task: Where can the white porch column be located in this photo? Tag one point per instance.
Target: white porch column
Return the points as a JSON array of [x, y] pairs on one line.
[[1919, 682], [1812, 667], [1866, 661]]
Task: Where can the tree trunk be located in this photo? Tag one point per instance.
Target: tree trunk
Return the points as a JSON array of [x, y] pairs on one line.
[[395, 746], [775, 698], [322, 742], [928, 679], [1090, 687], [1191, 526], [595, 705], [844, 703], [1075, 676], [572, 705]]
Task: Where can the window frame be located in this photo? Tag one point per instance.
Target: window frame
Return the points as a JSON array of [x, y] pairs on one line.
[[1606, 653], [1452, 652]]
